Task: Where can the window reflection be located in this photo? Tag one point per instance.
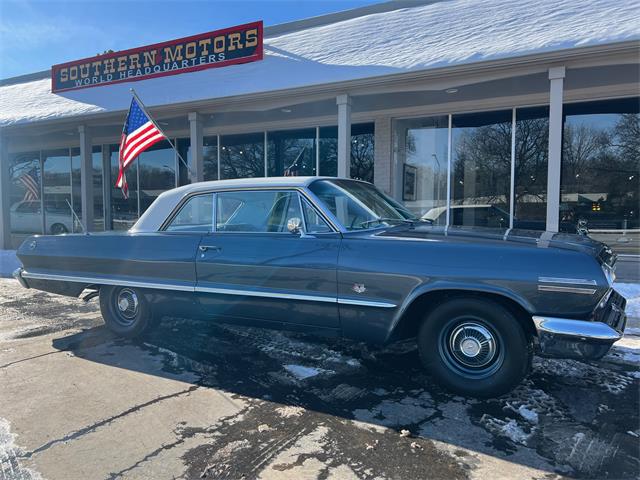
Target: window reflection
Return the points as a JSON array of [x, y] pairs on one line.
[[25, 193], [157, 173], [56, 188], [422, 150], [481, 169], [242, 156], [210, 158], [183, 145], [362, 151], [124, 212], [531, 162], [601, 171], [98, 198], [291, 153]]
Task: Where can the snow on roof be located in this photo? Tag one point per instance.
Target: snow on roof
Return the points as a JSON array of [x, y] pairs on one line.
[[438, 34]]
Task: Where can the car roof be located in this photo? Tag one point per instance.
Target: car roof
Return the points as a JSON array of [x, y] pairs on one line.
[[157, 213]]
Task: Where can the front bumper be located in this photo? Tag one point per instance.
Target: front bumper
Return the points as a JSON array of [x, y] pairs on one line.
[[17, 274], [583, 339]]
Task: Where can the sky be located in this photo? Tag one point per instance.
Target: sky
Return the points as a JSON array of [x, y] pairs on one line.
[[35, 34]]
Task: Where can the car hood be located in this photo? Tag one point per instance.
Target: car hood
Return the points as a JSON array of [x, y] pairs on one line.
[[534, 238]]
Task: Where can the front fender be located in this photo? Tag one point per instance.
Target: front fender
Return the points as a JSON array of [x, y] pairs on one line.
[[442, 286]]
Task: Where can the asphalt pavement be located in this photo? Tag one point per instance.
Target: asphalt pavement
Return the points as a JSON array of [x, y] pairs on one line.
[[198, 400]]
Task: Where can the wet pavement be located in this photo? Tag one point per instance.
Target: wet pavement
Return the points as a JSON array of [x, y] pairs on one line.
[[198, 400]]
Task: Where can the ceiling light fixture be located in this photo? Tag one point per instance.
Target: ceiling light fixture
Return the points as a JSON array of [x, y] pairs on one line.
[[285, 110], [451, 90]]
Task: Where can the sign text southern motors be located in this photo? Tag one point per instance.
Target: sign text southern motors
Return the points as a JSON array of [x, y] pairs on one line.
[[233, 45]]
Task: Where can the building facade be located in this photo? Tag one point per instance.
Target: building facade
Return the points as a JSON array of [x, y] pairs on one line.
[[490, 126]]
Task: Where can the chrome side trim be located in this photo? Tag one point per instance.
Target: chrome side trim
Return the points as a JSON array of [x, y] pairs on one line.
[[366, 303], [555, 288], [186, 288], [17, 274], [568, 281], [579, 329], [108, 281], [254, 293]]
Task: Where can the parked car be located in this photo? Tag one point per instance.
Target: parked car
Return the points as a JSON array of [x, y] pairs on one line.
[[338, 256], [26, 217]]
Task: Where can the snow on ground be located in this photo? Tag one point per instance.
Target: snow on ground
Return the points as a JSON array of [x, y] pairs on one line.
[[10, 468], [631, 291], [439, 34]]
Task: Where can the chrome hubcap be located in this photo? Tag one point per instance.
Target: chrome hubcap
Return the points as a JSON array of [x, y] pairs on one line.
[[127, 303], [472, 345]]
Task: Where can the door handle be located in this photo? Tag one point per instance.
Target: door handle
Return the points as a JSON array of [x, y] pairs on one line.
[[204, 248]]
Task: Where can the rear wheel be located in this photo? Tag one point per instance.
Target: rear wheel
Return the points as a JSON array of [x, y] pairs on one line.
[[125, 311], [475, 347]]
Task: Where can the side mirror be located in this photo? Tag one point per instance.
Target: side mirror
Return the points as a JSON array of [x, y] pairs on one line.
[[294, 225]]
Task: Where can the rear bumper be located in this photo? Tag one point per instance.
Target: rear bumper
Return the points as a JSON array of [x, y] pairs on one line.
[[17, 274], [582, 339]]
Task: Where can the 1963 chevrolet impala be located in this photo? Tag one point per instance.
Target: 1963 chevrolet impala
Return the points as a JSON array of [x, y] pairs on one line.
[[340, 257]]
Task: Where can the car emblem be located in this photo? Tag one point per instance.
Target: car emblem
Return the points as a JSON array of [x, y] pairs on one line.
[[32, 245], [359, 288]]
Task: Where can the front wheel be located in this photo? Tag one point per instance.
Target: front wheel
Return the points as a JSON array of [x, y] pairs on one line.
[[125, 311], [475, 347]]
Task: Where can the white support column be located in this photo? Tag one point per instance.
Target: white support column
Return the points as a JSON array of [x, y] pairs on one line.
[[344, 135], [5, 183], [86, 178], [556, 85], [384, 160], [197, 147]]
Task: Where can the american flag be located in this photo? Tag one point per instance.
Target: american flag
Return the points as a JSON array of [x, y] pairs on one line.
[[138, 134], [31, 184]]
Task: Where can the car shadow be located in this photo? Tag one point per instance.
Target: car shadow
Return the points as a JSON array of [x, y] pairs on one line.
[[541, 424]]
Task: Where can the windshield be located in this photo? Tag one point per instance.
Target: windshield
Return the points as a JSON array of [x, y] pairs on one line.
[[359, 205]]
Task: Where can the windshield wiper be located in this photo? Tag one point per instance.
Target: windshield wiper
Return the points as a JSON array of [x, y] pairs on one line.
[[408, 221]]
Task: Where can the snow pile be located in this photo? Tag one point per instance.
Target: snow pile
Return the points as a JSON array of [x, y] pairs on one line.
[[630, 291], [439, 34]]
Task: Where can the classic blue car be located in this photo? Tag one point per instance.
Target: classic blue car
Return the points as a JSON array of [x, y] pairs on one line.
[[340, 257]]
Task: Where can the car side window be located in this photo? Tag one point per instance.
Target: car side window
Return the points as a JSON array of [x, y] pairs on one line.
[[256, 211], [313, 221], [196, 215]]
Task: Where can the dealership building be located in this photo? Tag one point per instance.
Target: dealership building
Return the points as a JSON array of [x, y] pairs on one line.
[[493, 114]]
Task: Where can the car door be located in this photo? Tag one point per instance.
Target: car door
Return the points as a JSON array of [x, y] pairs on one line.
[[253, 268]]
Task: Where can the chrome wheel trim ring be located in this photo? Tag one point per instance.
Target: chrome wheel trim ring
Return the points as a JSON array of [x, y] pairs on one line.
[[127, 305], [472, 344], [484, 347]]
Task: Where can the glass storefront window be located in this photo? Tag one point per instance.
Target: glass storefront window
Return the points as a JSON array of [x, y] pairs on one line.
[[421, 146], [124, 212], [328, 144], [242, 156], [56, 187], [210, 157], [183, 145], [157, 173], [25, 193], [531, 163], [362, 151], [481, 169], [98, 197], [600, 179], [291, 153], [76, 195], [362, 147]]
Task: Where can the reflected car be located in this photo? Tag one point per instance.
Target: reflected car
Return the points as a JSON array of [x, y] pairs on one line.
[[26, 217], [339, 257]]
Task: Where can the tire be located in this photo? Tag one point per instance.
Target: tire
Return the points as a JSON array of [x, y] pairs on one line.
[[125, 311], [58, 229], [475, 347]]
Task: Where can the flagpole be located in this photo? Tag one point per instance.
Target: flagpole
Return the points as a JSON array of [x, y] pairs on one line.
[[144, 109]]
